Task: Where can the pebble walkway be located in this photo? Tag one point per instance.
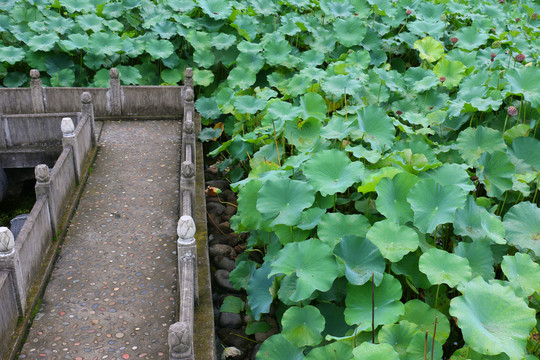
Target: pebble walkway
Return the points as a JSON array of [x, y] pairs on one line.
[[112, 291]]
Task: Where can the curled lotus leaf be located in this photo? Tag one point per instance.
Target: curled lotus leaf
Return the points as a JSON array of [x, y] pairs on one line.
[[429, 48], [302, 326], [442, 267], [522, 273]]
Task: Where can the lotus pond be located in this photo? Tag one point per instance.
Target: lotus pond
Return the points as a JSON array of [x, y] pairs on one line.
[[385, 154]]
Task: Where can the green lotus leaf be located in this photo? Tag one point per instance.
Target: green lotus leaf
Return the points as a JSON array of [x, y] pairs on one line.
[[496, 172], [393, 240], [337, 9], [339, 85], [361, 152], [204, 58], [207, 107], [417, 348], [392, 197], [336, 128], [165, 29], [303, 135], [129, 75], [362, 260], [331, 171], [375, 127], [451, 174], [442, 267], [425, 27], [522, 224], [182, 5], [276, 347], [77, 5], [522, 273], [276, 50], [171, 76], [90, 22], [480, 257], [223, 41], [303, 326], [232, 304], [246, 104], [419, 313], [58, 62], [419, 80], [333, 226], [368, 351], [429, 48], [241, 78], [350, 31], [258, 290], [134, 47], [313, 106], [64, 77], [241, 274], [399, 336], [159, 49], [312, 264], [310, 218], [526, 150], [493, 324], [216, 9], [473, 142], [471, 38], [43, 42], [434, 204], [11, 54], [523, 82], [375, 176], [359, 307], [466, 353], [113, 10], [453, 71], [408, 266], [102, 78], [102, 43], [279, 109], [478, 224], [337, 348], [202, 77], [76, 41]]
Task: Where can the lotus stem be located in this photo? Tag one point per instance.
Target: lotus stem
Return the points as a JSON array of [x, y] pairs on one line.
[[536, 191], [503, 203], [275, 140], [379, 96], [425, 345], [433, 339], [437, 295], [504, 127], [373, 307]]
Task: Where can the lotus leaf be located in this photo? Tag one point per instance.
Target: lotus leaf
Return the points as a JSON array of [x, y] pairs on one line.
[[408, 266], [393, 240], [399, 336], [246, 104], [241, 78], [258, 290], [419, 313], [477, 223], [473, 142], [202, 77], [283, 200], [523, 81], [471, 38], [76, 41], [311, 262], [207, 107], [418, 79], [434, 204], [339, 85], [331, 171], [493, 324], [522, 273], [276, 50], [375, 127], [43, 42], [374, 177], [496, 172], [362, 260], [303, 326], [129, 75], [276, 347], [77, 5], [64, 77], [313, 106], [303, 135], [90, 22], [480, 257], [388, 308], [102, 43], [429, 48], [452, 71], [232, 304], [159, 49], [11, 54], [417, 347], [241, 274], [527, 150], [337, 348], [442, 267], [335, 225], [368, 351], [451, 174], [361, 152]]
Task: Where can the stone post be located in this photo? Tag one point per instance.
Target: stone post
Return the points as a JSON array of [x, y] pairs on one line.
[[180, 336], [44, 188], [70, 140], [9, 260], [36, 88], [114, 95], [188, 160], [87, 109]]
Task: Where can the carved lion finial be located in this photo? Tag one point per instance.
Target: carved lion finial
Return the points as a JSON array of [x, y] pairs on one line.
[[189, 94], [86, 97], [189, 127], [179, 337], [7, 241], [113, 73], [42, 173], [188, 169], [34, 74]]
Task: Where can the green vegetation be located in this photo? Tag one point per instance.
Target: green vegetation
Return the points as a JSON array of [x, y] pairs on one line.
[[385, 153]]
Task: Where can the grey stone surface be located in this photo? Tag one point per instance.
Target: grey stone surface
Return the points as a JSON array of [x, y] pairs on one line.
[[8, 309], [7, 240], [112, 292]]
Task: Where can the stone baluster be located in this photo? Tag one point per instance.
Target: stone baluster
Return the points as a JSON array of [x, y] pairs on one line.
[[114, 95], [87, 109], [44, 188], [187, 176], [36, 88], [9, 260], [70, 140], [180, 335]]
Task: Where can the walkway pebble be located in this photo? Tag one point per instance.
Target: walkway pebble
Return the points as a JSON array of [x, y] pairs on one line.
[[113, 289]]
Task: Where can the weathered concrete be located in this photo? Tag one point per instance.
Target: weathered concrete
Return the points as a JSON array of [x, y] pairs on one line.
[[8, 308], [112, 291]]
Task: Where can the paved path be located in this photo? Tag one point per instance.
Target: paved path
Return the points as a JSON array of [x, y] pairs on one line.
[[112, 291]]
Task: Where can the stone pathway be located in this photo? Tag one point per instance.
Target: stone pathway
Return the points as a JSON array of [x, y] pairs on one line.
[[112, 291]]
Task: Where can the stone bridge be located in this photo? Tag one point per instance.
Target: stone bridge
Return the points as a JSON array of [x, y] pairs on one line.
[[112, 261]]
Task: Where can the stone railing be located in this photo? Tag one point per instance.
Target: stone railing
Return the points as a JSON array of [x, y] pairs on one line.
[[181, 333], [116, 101], [21, 259]]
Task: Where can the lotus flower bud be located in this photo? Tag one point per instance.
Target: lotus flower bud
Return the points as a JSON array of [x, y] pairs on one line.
[[512, 111]]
